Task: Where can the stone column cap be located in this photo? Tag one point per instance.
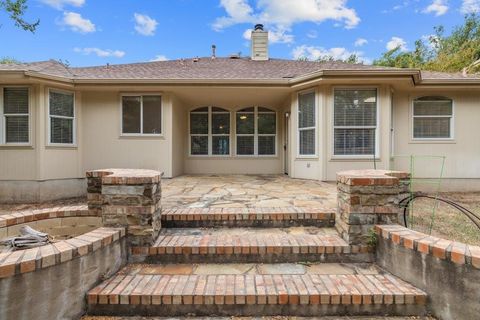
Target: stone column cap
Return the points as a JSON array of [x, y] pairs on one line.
[[126, 176], [371, 177]]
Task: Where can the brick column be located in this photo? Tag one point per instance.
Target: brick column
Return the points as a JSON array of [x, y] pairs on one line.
[[128, 198], [367, 198]]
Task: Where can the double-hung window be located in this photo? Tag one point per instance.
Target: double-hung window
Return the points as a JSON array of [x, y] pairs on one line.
[[141, 115], [62, 117], [307, 127], [355, 122], [14, 125], [210, 131], [256, 132], [432, 118]]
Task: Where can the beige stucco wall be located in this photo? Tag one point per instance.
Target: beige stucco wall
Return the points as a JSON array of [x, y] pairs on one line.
[[105, 147], [462, 152]]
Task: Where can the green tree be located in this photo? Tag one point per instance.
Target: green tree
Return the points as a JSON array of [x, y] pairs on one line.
[[352, 59], [16, 10], [455, 52], [8, 60]]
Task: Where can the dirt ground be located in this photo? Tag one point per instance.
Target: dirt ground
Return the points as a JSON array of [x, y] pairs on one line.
[[448, 222]]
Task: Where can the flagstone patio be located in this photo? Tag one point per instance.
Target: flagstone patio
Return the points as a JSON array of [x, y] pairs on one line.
[[246, 191]]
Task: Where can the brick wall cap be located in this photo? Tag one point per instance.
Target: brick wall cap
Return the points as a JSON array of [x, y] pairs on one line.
[[126, 176], [455, 252], [370, 177], [11, 263]]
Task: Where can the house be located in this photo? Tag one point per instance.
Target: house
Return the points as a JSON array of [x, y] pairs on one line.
[[233, 115]]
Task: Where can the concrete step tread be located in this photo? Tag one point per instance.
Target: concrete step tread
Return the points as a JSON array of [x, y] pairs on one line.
[[263, 318], [225, 241], [277, 289], [242, 214]]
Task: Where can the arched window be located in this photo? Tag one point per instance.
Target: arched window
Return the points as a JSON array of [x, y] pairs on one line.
[[210, 131], [432, 118], [256, 131]]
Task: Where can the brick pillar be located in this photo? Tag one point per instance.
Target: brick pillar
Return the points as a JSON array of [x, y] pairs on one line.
[[367, 198], [128, 198]]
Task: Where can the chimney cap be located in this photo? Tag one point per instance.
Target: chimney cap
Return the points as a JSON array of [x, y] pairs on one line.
[[258, 26]]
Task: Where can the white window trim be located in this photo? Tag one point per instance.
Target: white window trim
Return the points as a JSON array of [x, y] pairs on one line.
[[3, 122], [413, 116], [141, 134], [315, 128], [210, 135], [256, 134], [74, 121], [377, 127]]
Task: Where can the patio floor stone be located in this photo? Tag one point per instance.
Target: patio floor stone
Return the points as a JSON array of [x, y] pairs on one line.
[[246, 191]]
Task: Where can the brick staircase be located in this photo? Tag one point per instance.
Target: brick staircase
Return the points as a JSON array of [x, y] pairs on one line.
[[254, 262]]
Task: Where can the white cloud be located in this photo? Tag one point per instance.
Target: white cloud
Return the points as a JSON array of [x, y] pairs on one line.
[[145, 25], [360, 42], [274, 36], [77, 23], [284, 14], [397, 42], [314, 53], [59, 4], [159, 57], [470, 6], [438, 7], [100, 52]]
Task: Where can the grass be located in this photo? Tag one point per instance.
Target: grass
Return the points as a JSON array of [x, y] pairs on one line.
[[448, 223]]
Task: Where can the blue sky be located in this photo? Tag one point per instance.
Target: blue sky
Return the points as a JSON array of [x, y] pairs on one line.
[[95, 32]]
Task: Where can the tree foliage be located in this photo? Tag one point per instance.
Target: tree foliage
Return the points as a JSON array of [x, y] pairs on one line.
[[352, 59], [8, 60], [16, 10], [455, 52]]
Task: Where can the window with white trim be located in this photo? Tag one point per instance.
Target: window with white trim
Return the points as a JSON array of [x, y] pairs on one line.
[[210, 132], [432, 118], [355, 122], [62, 117], [307, 124], [15, 115], [256, 132], [141, 115]]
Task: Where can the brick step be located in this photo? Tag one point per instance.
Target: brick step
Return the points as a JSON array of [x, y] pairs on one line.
[[273, 217], [269, 245], [255, 295]]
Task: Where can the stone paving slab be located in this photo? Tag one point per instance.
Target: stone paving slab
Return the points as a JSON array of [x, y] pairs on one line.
[[246, 191], [251, 268]]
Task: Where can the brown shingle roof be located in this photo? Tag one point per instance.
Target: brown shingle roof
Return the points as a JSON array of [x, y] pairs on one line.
[[212, 69]]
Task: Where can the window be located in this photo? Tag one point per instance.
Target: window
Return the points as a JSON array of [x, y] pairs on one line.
[[355, 122], [210, 131], [62, 117], [14, 124], [307, 128], [256, 132], [142, 115], [432, 118]]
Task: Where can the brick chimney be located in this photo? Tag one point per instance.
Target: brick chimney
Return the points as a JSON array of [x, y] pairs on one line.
[[259, 43]]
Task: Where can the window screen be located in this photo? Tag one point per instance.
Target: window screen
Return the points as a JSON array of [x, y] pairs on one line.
[[306, 124], [61, 117], [432, 118], [355, 121], [142, 114], [16, 113]]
